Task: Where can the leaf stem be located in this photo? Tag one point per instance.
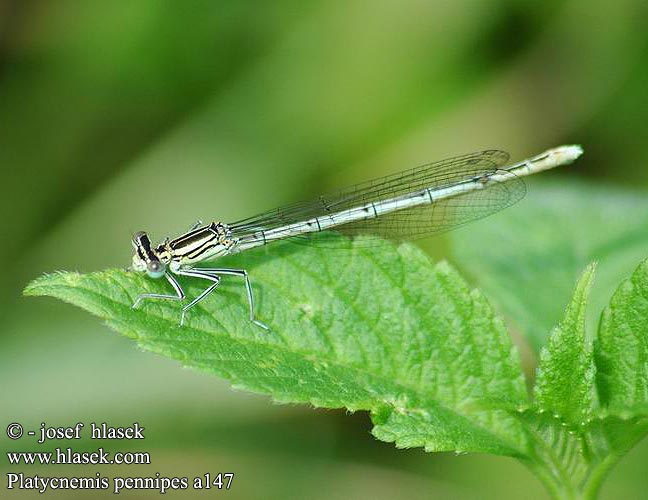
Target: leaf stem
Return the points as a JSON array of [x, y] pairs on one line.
[[564, 486]]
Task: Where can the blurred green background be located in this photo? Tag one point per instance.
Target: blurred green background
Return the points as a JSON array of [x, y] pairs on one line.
[[120, 116]]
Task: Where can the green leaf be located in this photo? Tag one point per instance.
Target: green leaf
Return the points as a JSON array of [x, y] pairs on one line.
[[559, 421], [572, 462], [527, 259], [379, 329], [572, 442], [621, 348], [565, 382]]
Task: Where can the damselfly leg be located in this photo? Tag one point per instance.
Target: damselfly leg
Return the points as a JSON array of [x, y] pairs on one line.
[[195, 273], [196, 225], [176, 286], [211, 273]]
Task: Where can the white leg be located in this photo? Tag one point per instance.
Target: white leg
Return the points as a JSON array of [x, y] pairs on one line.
[[176, 286]]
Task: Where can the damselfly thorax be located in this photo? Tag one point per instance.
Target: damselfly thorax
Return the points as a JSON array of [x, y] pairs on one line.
[[425, 200]]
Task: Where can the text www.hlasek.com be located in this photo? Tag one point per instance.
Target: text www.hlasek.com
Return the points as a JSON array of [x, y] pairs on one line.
[[67, 456]]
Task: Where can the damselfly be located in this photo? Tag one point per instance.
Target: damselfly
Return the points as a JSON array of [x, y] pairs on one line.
[[428, 199]]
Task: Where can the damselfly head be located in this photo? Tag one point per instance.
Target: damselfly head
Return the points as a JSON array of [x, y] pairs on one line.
[[145, 258], [141, 242]]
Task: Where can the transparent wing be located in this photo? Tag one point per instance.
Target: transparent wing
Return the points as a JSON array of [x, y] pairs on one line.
[[407, 223], [445, 214]]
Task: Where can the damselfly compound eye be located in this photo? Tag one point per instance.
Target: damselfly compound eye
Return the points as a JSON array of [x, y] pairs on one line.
[[155, 269]]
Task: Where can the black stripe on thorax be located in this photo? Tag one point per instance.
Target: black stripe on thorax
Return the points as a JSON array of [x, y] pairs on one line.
[[197, 236]]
